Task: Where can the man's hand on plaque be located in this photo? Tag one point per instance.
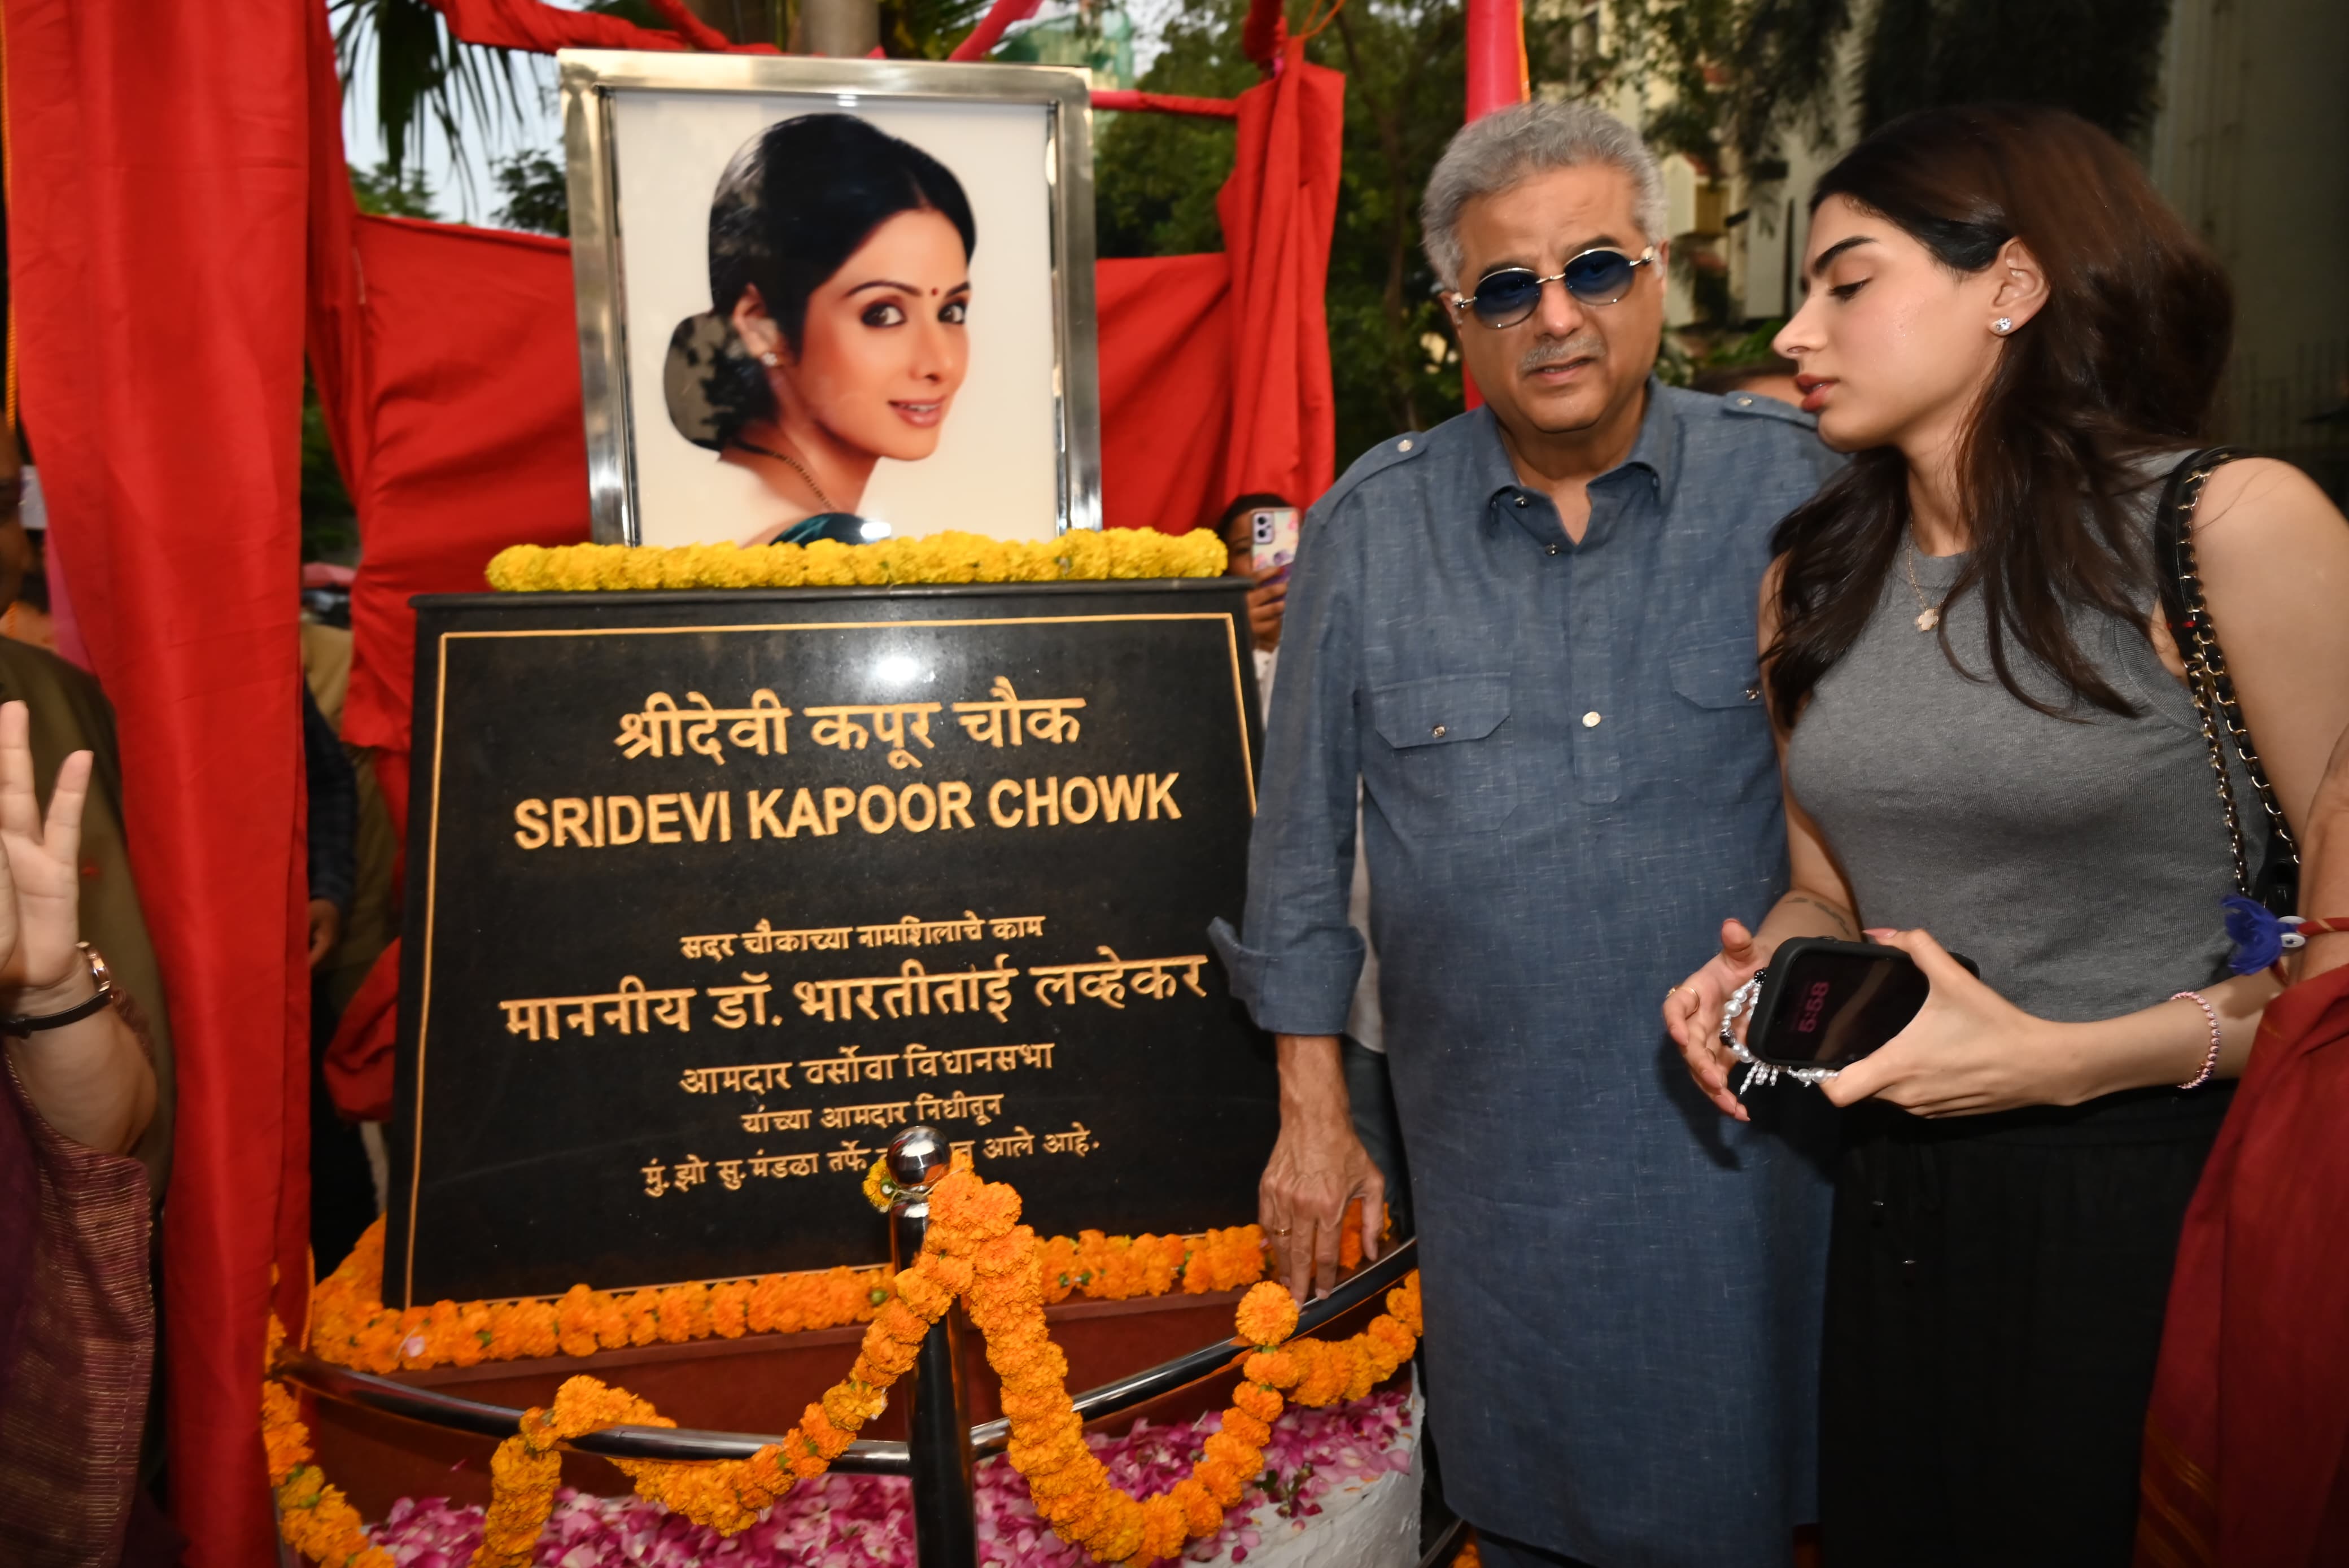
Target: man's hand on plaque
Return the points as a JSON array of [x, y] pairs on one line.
[[1318, 1170]]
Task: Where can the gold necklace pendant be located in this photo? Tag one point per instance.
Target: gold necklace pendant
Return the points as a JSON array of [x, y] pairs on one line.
[[1928, 614]]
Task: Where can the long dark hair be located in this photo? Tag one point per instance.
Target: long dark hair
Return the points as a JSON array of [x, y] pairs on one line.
[[790, 209], [2123, 360]]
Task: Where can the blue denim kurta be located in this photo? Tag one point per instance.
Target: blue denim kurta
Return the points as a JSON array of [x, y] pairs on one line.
[[1568, 784]]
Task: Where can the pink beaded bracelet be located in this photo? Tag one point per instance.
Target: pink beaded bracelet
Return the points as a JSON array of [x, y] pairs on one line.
[[2210, 1060]]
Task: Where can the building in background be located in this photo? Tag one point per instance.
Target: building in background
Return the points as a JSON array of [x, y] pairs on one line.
[[2252, 147], [2248, 136]]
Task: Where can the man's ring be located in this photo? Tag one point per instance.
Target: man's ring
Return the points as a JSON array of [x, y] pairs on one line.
[[1281, 1231]]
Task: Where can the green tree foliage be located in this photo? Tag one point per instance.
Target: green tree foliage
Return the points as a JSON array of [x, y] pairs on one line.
[[422, 73], [2099, 58], [537, 194], [1745, 75], [927, 29], [1391, 359], [386, 190]]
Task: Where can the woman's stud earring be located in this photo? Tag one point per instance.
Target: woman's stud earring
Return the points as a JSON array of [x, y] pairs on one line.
[[769, 361], [2001, 326]]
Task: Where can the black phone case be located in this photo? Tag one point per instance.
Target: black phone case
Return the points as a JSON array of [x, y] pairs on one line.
[[1792, 973]]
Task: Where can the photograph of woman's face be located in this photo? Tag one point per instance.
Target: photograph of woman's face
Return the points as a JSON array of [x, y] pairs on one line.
[[852, 309], [883, 347]]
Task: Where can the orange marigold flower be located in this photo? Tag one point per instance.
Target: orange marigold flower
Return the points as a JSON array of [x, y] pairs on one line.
[[899, 1320], [829, 1440], [1201, 1512], [682, 1312], [1247, 1428], [1164, 1527], [925, 1295], [534, 1327], [1240, 1455], [1224, 1484], [1263, 1403], [1403, 1302], [729, 1309], [850, 1406], [575, 1321], [1267, 1315], [888, 1356]]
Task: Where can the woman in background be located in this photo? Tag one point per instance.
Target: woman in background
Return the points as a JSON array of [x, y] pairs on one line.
[[77, 1314], [1988, 744], [839, 285]]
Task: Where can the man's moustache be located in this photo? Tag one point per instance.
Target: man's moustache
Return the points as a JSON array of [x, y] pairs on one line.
[[1559, 351]]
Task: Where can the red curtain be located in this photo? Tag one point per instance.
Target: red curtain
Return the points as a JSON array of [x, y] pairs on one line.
[[159, 170]]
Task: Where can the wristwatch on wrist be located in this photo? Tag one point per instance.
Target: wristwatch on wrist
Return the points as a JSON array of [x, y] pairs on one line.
[[21, 1026]]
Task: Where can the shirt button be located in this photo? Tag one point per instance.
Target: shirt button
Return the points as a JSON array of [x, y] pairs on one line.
[[1556, 548], [1437, 732], [1521, 500], [1745, 402], [1403, 445], [1590, 719]]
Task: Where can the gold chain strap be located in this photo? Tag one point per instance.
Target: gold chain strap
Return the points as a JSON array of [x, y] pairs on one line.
[[2213, 691]]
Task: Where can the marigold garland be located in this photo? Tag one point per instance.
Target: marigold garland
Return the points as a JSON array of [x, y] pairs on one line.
[[351, 1326], [315, 1518], [975, 1250], [1082, 555]]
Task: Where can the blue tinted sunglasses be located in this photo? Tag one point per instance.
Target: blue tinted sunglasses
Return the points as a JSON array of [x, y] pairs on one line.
[[1506, 297]]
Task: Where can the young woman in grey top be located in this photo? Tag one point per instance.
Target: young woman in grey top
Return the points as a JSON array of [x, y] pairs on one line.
[[1988, 744]]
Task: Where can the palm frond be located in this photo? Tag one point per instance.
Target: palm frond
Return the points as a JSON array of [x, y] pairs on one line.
[[424, 75]]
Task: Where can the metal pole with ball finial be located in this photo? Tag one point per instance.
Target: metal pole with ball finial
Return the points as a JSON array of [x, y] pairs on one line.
[[937, 1424]]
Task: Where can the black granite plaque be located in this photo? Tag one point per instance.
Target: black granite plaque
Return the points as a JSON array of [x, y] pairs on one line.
[[709, 893]]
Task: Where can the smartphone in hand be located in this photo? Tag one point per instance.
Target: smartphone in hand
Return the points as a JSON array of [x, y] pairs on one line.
[[1827, 1004], [1274, 533]]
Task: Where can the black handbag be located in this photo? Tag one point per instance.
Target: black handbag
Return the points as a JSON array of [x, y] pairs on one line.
[[2277, 886]]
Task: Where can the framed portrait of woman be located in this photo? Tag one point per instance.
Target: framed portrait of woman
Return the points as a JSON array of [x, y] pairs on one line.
[[826, 298]]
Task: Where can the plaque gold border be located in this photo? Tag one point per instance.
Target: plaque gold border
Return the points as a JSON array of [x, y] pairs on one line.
[[432, 841]]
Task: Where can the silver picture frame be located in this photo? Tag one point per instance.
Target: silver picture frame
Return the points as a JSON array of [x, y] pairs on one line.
[[593, 79]]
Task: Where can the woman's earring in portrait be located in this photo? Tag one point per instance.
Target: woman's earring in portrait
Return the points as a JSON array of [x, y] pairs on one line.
[[771, 360], [2001, 326]]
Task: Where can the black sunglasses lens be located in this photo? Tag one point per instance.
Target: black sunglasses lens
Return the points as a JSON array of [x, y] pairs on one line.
[[1599, 277], [1505, 299]]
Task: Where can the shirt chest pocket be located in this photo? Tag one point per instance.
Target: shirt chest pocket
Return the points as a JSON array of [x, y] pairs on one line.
[[1718, 745], [1446, 760]]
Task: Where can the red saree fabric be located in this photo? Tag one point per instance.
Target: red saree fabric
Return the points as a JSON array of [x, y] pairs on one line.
[[2247, 1441]]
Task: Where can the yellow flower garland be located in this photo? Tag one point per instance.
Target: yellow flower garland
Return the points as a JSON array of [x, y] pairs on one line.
[[1082, 555], [975, 1251], [351, 1326]]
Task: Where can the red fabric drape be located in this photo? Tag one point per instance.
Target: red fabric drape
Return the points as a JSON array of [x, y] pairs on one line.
[[1496, 56], [2247, 1442], [1276, 209], [543, 29], [159, 169]]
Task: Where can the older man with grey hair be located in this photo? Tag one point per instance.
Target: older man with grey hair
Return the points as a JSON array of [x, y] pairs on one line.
[[1528, 635]]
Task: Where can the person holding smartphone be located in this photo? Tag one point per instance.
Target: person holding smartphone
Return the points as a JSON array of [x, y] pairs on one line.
[[1989, 742]]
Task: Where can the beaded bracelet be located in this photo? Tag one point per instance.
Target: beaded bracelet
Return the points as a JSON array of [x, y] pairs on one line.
[[2210, 1058]]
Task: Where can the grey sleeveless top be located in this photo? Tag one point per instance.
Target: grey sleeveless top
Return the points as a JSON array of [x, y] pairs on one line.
[[2078, 860]]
